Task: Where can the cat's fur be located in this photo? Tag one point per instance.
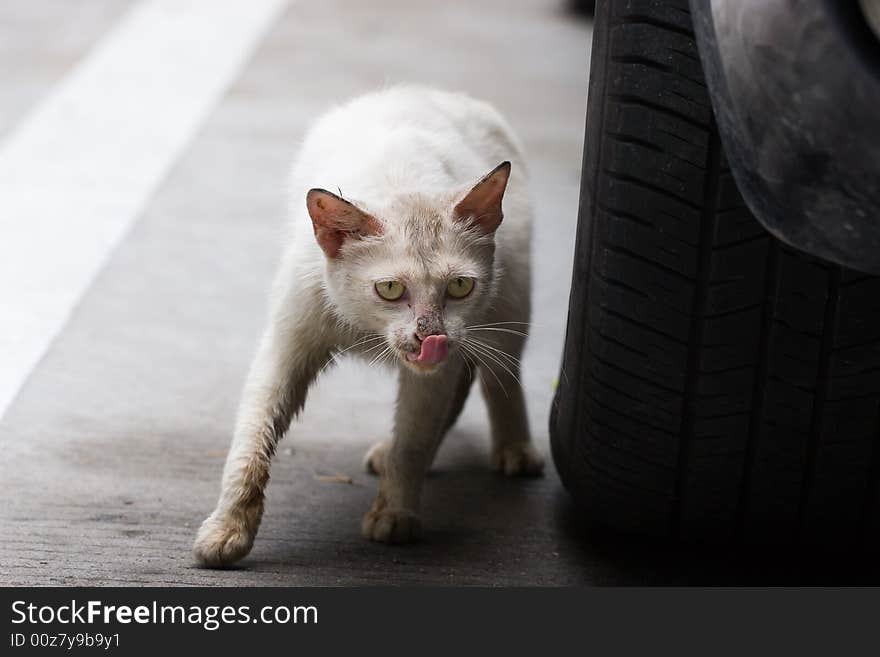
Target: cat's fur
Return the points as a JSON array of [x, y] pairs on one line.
[[418, 207]]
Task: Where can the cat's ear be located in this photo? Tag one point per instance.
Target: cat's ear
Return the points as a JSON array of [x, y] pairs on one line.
[[482, 205], [336, 220]]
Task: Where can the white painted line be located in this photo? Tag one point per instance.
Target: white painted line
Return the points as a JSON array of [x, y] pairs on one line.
[[80, 168]]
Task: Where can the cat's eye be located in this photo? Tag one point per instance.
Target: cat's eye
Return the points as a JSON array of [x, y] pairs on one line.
[[460, 287], [390, 290]]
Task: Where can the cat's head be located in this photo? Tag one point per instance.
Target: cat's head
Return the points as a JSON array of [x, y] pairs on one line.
[[415, 273]]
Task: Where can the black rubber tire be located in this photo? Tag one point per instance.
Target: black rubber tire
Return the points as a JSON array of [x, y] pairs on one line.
[[716, 384], [583, 7]]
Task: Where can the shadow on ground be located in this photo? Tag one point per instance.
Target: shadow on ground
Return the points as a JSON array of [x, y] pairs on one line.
[[625, 559]]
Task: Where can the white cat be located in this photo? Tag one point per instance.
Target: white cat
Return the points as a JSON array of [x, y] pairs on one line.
[[410, 265]]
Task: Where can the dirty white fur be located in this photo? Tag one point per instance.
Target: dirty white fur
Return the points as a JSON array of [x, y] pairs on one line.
[[405, 156]]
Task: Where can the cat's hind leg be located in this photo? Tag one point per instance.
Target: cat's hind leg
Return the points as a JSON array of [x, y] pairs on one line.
[[423, 412], [374, 460]]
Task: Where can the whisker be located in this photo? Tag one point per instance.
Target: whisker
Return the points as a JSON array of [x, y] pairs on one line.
[[387, 357], [512, 359], [366, 340], [485, 366], [491, 345], [501, 330], [374, 347], [496, 359], [381, 354], [468, 365], [468, 358], [335, 357], [471, 355], [478, 370], [502, 324]]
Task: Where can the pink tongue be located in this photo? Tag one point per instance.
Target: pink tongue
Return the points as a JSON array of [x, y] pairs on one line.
[[434, 350]]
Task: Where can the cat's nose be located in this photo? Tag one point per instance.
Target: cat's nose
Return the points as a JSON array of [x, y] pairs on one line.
[[426, 326]]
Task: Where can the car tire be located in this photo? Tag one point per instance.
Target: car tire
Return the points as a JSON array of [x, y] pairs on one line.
[[716, 384]]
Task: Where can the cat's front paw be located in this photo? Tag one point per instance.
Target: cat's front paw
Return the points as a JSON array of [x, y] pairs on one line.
[[222, 540], [518, 460], [395, 527]]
